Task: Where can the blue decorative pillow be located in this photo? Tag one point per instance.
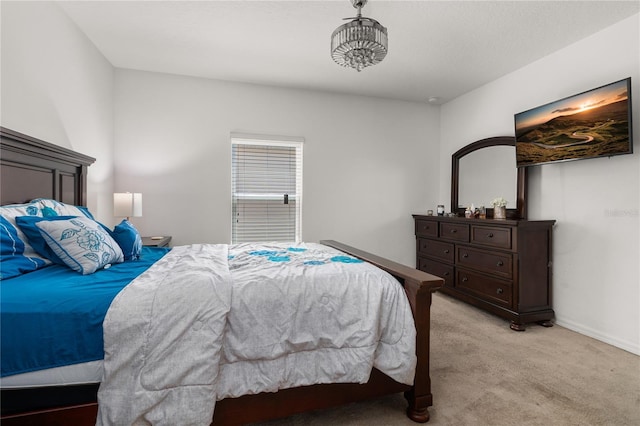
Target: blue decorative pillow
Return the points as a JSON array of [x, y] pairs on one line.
[[18, 257], [128, 238], [27, 225], [13, 261], [81, 243]]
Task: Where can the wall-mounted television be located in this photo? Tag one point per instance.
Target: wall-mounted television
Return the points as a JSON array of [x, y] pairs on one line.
[[595, 123]]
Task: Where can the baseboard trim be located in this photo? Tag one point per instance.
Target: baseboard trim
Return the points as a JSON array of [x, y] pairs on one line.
[[634, 348]]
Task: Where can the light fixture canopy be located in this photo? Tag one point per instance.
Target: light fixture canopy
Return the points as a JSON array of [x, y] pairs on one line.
[[127, 204], [360, 43]]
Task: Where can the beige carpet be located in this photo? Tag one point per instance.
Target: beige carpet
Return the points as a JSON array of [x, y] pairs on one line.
[[483, 373]]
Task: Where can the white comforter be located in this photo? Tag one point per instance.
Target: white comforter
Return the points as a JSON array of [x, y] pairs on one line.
[[209, 322]]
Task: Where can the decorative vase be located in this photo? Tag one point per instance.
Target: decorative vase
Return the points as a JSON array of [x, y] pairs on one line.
[[500, 212]]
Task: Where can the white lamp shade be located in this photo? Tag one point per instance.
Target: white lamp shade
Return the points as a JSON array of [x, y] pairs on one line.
[[127, 204]]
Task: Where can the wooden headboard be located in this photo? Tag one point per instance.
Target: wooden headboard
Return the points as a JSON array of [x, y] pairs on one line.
[[32, 168]]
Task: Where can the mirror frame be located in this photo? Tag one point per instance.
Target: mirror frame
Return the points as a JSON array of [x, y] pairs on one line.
[[520, 212]]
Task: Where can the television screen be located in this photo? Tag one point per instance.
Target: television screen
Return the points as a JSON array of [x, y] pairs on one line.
[[596, 123]]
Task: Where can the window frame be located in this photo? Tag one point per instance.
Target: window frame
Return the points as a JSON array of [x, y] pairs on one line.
[[275, 141]]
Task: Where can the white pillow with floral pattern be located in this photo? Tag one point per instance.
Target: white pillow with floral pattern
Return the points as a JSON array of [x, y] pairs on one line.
[[81, 243]]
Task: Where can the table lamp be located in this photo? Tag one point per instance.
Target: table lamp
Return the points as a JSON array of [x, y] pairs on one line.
[[127, 204]]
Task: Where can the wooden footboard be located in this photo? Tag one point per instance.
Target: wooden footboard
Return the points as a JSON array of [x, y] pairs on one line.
[[418, 286]]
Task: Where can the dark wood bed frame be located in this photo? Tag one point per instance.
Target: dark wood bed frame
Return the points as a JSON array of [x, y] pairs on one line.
[[32, 168]]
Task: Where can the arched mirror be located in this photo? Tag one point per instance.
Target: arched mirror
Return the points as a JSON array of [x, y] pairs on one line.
[[484, 170]]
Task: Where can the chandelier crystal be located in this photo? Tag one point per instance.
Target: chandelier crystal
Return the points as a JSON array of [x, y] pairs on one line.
[[359, 43]]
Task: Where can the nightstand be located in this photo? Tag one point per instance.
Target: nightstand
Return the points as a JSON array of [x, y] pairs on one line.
[[156, 241]]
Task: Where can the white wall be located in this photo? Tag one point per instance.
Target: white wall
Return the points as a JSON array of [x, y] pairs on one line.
[[595, 202], [57, 87], [368, 163]]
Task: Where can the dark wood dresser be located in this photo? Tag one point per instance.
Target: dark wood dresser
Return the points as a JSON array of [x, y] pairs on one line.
[[502, 266]]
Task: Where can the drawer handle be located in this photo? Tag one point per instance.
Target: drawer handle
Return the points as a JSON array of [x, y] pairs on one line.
[[425, 227], [490, 235], [465, 255], [453, 231], [446, 274], [465, 279], [500, 263], [499, 290], [446, 251]]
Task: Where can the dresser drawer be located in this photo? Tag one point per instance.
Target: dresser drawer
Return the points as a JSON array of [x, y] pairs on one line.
[[435, 248], [492, 262], [438, 269], [454, 231], [487, 288], [427, 228], [491, 236]]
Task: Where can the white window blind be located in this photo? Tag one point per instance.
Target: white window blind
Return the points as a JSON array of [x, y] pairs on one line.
[[266, 190]]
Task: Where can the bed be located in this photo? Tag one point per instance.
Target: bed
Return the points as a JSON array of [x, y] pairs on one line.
[[32, 168]]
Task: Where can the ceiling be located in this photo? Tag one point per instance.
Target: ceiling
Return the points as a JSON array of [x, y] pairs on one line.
[[437, 49]]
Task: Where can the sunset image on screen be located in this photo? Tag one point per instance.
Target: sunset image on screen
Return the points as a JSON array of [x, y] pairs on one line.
[[590, 124]]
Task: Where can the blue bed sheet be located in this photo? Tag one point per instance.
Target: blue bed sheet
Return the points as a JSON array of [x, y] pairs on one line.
[[53, 316]]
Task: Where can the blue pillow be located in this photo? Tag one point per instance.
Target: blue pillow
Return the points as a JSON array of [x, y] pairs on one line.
[[81, 243], [128, 238], [27, 225], [13, 261]]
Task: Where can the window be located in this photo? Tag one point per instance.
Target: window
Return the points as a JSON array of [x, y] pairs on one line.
[[266, 189]]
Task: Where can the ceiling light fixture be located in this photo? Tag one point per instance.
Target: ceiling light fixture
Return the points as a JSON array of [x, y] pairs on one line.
[[359, 43]]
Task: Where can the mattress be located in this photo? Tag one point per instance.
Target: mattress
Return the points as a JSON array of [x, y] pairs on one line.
[[75, 374]]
